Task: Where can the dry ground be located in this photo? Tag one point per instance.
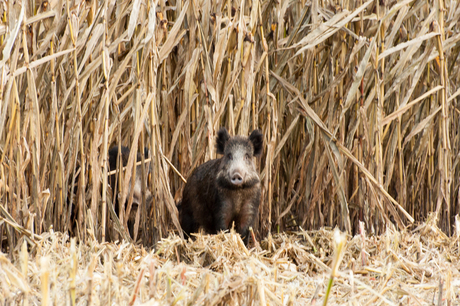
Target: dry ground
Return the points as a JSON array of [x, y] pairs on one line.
[[418, 267]]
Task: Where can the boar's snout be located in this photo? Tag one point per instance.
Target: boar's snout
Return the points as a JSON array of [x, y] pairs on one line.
[[237, 178]]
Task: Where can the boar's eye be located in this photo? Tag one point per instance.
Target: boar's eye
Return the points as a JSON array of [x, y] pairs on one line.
[[246, 156], [229, 156]]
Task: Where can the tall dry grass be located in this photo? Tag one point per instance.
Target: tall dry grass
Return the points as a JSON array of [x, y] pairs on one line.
[[358, 103]]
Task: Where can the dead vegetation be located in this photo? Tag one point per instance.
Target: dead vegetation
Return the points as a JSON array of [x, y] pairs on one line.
[[357, 101], [358, 104], [396, 268]]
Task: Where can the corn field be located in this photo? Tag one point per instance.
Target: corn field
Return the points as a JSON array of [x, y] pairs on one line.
[[358, 103]]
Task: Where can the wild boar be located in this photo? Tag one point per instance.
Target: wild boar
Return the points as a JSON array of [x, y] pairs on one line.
[[137, 191], [226, 190]]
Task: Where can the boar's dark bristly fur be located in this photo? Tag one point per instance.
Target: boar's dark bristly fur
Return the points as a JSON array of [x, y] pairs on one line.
[[226, 190]]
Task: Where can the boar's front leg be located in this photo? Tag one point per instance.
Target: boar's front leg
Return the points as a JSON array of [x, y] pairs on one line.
[[224, 215], [246, 218], [187, 220]]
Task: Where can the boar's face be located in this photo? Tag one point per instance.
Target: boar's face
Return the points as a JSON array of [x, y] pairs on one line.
[[137, 192], [237, 168]]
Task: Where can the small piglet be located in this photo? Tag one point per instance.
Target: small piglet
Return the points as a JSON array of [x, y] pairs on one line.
[[137, 191], [225, 190]]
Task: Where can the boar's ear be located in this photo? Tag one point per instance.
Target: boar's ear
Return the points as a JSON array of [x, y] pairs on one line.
[[222, 137], [257, 140]]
